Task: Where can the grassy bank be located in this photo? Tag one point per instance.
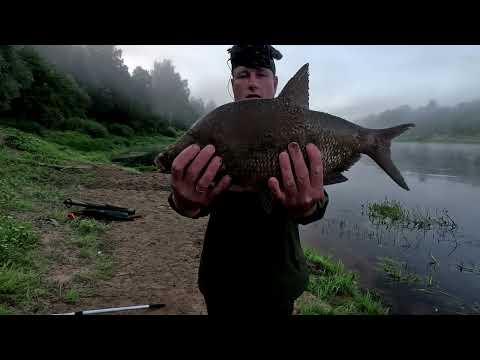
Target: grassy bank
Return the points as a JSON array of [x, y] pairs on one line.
[[32, 189], [333, 290]]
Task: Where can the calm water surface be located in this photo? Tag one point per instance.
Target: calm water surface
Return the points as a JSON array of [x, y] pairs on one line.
[[441, 177]]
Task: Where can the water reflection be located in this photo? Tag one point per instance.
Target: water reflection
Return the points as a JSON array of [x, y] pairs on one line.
[[455, 162]]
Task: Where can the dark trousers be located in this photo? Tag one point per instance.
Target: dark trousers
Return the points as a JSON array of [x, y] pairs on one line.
[[220, 305]]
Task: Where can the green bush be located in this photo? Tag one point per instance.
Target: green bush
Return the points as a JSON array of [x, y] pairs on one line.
[[31, 127], [22, 142], [86, 126], [94, 129], [121, 130], [71, 124], [170, 132]]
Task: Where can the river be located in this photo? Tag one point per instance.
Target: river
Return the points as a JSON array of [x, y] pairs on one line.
[[446, 262]]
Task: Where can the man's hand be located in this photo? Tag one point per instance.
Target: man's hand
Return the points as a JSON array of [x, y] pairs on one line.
[[299, 193], [192, 192]]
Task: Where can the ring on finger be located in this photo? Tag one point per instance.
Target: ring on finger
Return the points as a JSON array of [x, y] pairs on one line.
[[200, 189]]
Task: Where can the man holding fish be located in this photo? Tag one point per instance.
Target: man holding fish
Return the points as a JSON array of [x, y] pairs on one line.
[[252, 261]]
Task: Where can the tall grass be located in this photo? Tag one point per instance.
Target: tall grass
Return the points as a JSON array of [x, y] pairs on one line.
[[332, 290]]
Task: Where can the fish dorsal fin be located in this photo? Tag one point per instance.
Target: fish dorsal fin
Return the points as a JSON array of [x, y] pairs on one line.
[[296, 89]]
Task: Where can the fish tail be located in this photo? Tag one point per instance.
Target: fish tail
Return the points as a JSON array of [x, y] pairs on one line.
[[377, 146]]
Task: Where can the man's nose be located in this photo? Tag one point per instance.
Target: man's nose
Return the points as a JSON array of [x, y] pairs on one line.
[[252, 81]]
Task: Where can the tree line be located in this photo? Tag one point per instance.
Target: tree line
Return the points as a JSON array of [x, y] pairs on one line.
[[431, 120], [72, 86]]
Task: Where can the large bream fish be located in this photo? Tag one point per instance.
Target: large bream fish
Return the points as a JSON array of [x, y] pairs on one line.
[[250, 135]]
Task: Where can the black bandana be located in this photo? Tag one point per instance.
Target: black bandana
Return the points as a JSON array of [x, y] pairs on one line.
[[254, 56]]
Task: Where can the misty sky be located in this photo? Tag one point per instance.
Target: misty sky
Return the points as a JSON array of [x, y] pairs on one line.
[[350, 81]]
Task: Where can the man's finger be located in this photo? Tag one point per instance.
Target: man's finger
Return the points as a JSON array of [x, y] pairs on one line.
[[182, 160], [301, 171], [198, 164], [222, 185], [287, 175], [209, 174], [274, 186], [316, 166]]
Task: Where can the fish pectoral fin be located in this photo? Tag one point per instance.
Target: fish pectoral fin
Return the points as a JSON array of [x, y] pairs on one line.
[[335, 178]]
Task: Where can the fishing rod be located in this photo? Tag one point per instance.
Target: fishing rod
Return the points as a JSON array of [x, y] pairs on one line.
[[91, 205], [107, 310]]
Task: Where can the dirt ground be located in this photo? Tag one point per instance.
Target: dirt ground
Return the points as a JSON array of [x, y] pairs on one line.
[[155, 257]]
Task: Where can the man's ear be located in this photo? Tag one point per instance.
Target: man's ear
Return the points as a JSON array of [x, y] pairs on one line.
[[275, 84]]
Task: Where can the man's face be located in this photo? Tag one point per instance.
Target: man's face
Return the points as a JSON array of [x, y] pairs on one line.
[[249, 83]]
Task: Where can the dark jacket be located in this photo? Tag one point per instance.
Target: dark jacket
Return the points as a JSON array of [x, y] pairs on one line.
[[248, 252]]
